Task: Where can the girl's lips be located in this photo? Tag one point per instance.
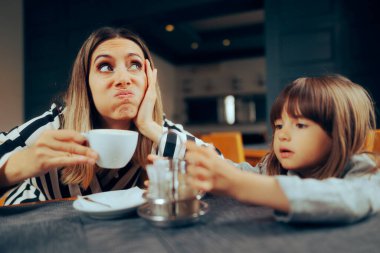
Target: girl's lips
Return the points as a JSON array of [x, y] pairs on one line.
[[285, 153]]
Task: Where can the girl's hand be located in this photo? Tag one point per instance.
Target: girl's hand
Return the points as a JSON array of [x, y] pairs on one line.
[[208, 171], [53, 149], [144, 119]]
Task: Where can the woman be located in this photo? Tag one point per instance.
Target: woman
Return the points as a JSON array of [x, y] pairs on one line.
[[113, 85]]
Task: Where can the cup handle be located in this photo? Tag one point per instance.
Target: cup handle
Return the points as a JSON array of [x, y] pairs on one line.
[[86, 135]]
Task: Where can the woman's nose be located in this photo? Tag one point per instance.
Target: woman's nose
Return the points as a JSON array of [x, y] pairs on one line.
[[122, 77]]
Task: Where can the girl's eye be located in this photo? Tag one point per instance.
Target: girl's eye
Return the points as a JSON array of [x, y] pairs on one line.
[[105, 67], [135, 66], [277, 126], [301, 125]]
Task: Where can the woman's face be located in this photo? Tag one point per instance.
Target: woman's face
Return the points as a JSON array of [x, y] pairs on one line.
[[117, 81], [300, 144]]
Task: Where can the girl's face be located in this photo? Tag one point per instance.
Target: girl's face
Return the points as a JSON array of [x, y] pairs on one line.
[[117, 81], [300, 144]]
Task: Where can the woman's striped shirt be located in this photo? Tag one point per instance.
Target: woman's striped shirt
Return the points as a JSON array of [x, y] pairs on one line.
[[49, 186]]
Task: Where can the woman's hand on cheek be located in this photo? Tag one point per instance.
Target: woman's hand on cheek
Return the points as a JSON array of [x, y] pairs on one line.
[[144, 119]]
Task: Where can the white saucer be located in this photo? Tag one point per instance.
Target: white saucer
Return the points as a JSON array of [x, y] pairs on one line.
[[117, 203]]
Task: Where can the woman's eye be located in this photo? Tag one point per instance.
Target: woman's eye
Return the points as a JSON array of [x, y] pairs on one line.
[[105, 67], [135, 66], [277, 126]]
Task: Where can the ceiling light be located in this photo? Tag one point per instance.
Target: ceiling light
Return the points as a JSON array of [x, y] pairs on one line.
[[226, 42], [169, 28], [194, 45]]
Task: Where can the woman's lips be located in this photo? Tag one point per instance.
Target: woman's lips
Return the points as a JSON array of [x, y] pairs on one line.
[[124, 94]]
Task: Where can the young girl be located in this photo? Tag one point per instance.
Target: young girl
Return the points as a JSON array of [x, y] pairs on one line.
[[316, 170]]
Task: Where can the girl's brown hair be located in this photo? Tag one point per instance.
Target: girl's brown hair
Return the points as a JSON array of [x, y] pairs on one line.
[[342, 108], [80, 113]]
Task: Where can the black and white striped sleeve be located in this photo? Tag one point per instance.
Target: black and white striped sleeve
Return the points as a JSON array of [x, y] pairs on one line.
[[26, 134], [172, 142]]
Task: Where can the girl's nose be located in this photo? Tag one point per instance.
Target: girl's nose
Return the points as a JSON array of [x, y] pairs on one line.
[[283, 134]]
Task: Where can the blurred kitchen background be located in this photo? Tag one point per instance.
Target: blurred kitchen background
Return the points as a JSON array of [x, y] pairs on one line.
[[221, 63]]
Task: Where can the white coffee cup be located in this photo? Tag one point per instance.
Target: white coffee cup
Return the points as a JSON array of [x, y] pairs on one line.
[[114, 147]]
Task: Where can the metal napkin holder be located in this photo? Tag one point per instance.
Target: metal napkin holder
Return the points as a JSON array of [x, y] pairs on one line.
[[170, 200]]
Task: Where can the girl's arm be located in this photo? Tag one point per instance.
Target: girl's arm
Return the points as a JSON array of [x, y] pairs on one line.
[[209, 172], [347, 199], [331, 200], [260, 190]]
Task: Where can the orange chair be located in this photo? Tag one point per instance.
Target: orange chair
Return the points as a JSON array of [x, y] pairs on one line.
[[376, 144], [254, 156], [229, 143], [2, 199], [372, 143]]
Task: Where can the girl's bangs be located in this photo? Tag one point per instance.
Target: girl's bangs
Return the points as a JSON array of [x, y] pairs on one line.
[[303, 100]]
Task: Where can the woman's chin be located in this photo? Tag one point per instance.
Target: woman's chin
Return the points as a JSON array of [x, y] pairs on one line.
[[122, 116], [124, 113], [126, 116]]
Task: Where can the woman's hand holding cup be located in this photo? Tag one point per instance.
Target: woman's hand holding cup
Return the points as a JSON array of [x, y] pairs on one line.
[[53, 149]]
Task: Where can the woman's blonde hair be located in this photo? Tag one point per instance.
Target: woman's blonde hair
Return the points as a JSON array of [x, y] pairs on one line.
[[80, 112], [342, 108]]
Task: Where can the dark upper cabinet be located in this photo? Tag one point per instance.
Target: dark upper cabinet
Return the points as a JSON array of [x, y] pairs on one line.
[[305, 38]]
